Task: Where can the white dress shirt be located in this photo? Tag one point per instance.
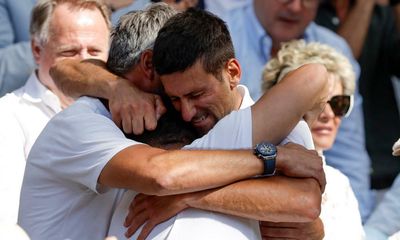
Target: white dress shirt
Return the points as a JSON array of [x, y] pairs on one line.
[[24, 113]]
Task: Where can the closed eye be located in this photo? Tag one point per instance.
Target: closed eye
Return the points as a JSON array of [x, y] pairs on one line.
[[68, 53], [94, 52], [196, 94]]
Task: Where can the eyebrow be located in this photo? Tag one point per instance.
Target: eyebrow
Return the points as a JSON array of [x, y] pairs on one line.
[[67, 47]]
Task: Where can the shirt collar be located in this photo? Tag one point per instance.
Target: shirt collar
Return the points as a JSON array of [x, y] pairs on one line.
[[309, 35], [247, 101], [36, 92]]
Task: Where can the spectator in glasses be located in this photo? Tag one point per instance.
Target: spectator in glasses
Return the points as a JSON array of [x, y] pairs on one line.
[[339, 209]]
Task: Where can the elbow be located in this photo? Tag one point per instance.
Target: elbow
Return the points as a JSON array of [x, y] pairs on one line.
[[164, 178], [164, 185], [317, 74]]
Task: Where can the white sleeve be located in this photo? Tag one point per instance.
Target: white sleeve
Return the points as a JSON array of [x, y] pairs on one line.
[[300, 134], [12, 165], [84, 142], [234, 131]]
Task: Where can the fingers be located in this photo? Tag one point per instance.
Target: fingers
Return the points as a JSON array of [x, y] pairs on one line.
[[294, 160], [138, 221], [138, 125], [135, 208], [126, 122], [150, 120], [116, 117], [146, 230], [159, 106], [137, 111], [322, 181]]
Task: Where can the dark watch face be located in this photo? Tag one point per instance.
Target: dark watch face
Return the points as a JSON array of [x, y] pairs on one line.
[[266, 149]]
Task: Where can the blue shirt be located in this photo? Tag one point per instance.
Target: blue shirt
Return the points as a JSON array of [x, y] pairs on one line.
[[134, 6], [16, 60], [385, 220], [253, 46]]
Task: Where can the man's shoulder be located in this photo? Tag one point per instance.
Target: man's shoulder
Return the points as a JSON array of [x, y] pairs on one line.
[[235, 16], [85, 106], [10, 104], [327, 36]]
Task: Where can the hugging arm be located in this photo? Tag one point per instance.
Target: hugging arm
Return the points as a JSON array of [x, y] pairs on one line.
[[274, 199], [132, 109], [276, 113], [159, 172]]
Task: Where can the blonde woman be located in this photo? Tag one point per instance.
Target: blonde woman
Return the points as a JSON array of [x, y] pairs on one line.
[[339, 210]]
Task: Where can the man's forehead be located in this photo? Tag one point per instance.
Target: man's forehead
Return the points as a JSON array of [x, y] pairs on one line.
[[178, 84]]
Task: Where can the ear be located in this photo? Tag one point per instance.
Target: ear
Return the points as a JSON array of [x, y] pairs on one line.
[[234, 72], [36, 50], [146, 64]]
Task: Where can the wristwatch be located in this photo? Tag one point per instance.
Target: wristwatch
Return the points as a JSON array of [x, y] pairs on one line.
[[267, 153]]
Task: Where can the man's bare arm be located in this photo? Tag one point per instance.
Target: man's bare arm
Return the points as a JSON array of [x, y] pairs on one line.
[[132, 109], [159, 172], [276, 113], [273, 199], [88, 77]]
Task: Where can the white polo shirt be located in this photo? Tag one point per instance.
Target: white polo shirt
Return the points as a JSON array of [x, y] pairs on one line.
[[24, 113], [60, 197]]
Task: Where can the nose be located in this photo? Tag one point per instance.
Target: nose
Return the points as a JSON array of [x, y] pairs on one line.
[[295, 5], [188, 111], [84, 55], [327, 113]]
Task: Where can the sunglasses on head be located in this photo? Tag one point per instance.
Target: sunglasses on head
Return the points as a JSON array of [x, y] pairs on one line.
[[341, 105]]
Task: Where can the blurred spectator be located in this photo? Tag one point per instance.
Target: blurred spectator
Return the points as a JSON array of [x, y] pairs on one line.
[[16, 60], [258, 28], [25, 111], [385, 219], [369, 26], [339, 208], [218, 7], [131, 5]]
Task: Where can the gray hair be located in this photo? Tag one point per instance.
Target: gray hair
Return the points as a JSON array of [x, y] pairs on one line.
[[136, 32], [296, 53], [43, 10]]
